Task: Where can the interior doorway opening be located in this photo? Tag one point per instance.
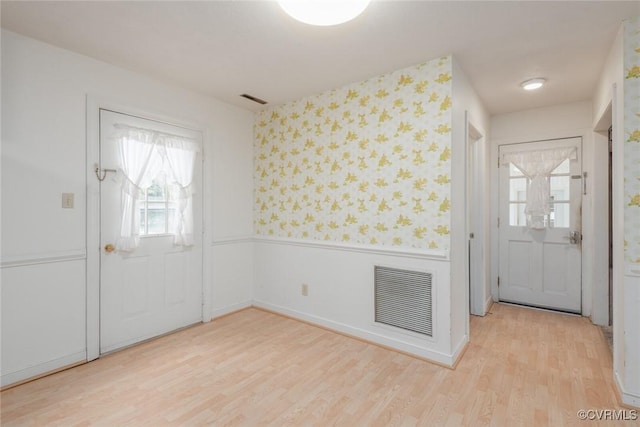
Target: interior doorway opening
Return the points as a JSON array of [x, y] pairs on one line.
[[476, 201], [602, 313]]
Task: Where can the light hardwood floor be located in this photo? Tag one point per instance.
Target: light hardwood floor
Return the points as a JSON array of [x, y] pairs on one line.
[[522, 367]]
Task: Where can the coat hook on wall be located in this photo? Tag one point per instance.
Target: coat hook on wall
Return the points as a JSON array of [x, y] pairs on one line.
[[102, 173]]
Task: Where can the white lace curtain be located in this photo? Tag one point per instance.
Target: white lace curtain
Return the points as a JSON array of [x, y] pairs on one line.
[[537, 167], [143, 154]]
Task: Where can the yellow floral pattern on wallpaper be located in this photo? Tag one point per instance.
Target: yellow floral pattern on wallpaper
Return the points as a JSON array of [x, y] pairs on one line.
[[632, 140], [365, 164]]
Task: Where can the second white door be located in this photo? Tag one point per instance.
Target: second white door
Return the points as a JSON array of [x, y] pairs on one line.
[[542, 267]]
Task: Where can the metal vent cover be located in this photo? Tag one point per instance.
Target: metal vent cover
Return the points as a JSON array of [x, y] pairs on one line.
[[403, 299]]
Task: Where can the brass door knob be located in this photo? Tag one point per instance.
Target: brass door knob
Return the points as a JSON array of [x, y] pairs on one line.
[[109, 247]]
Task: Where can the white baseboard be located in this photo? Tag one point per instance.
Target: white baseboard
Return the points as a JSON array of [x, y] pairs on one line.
[[627, 398], [435, 356], [459, 349], [487, 305], [219, 312], [42, 368]]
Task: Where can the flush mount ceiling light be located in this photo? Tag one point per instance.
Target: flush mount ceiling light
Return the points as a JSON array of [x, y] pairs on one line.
[[323, 12], [533, 84]]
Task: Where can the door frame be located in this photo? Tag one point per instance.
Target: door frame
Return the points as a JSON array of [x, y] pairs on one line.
[[582, 194], [476, 155], [602, 201], [587, 215], [93, 106]]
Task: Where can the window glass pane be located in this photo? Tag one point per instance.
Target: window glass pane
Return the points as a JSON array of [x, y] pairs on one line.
[[560, 187], [156, 190], [156, 216], [518, 189], [559, 216], [514, 171], [563, 168], [516, 214], [173, 192]]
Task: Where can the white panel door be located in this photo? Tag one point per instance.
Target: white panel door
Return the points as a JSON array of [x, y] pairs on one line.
[[542, 268], [156, 288]]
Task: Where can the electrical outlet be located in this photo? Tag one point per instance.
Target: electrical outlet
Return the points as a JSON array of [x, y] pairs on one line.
[[305, 290], [67, 200]]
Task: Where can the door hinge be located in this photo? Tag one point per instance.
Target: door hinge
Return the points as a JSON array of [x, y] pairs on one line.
[[498, 222], [498, 281]]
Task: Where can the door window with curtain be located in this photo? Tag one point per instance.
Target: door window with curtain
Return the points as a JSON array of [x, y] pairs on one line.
[[539, 187], [157, 176], [157, 207]]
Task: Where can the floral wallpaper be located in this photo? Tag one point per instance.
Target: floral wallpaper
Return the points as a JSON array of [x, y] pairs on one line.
[[369, 163], [632, 140]]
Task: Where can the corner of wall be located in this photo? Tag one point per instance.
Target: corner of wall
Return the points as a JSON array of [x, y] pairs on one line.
[[352, 178], [468, 111]]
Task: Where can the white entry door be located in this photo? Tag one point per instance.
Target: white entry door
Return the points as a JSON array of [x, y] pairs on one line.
[[542, 267], [157, 287]]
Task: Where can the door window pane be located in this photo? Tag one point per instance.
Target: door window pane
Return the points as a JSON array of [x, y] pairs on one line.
[[518, 189], [156, 191], [517, 217], [156, 217], [514, 171], [560, 187], [158, 208], [517, 196], [559, 216], [143, 220]]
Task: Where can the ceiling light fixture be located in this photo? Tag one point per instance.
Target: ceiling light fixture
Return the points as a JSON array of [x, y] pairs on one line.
[[533, 84], [323, 12]]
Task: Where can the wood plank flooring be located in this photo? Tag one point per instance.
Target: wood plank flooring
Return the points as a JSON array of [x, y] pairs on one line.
[[523, 367]]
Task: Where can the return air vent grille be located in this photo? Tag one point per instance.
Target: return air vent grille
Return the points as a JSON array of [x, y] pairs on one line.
[[403, 299]]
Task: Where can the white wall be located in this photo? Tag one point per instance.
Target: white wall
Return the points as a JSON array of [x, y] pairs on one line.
[[43, 155]]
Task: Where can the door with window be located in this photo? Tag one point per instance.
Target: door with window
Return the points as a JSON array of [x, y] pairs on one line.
[[151, 229], [540, 252]]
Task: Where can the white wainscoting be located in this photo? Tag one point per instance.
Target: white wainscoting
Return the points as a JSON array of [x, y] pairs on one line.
[[231, 267], [43, 316], [340, 283], [629, 383]]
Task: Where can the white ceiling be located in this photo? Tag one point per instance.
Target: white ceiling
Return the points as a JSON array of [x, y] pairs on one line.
[[226, 48]]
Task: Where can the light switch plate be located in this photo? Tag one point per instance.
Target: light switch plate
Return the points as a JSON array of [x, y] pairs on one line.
[[67, 200]]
